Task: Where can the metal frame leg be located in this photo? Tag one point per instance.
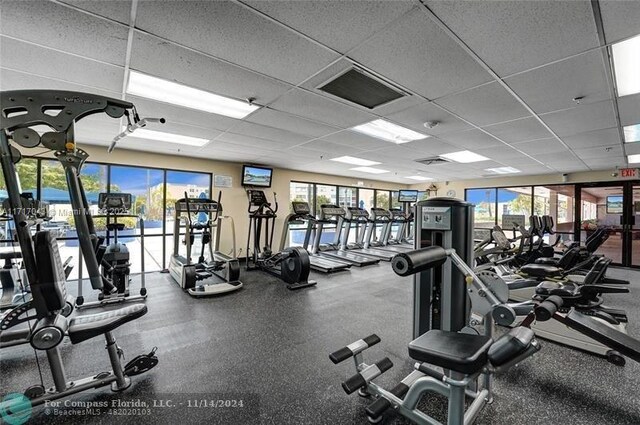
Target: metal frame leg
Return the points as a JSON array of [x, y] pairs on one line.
[[122, 382]]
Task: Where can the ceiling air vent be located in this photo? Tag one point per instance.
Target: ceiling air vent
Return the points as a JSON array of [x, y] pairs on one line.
[[361, 89], [434, 160]]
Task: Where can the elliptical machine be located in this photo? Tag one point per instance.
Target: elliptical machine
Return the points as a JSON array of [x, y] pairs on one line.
[[199, 278], [114, 256], [291, 264]]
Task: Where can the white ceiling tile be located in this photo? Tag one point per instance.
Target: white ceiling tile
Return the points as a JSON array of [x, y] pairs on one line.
[[629, 108], [519, 130], [417, 54], [14, 80], [620, 19], [177, 114], [502, 153], [512, 36], [254, 142], [536, 147], [320, 108], [416, 116], [270, 133], [484, 105], [599, 152], [155, 57], [97, 129], [607, 137], [430, 146], [559, 158], [234, 33], [604, 164], [356, 140], [328, 149], [339, 25], [30, 58], [553, 87], [56, 26], [594, 116], [290, 122], [119, 10], [470, 139]]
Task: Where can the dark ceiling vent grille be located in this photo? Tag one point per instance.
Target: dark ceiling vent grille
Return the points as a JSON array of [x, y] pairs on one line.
[[361, 89], [432, 161]]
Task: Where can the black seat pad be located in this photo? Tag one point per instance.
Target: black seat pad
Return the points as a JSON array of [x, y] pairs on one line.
[[562, 289], [510, 345], [550, 261], [540, 270], [85, 327], [464, 353]]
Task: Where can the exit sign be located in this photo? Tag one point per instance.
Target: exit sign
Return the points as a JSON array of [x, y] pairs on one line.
[[628, 173]]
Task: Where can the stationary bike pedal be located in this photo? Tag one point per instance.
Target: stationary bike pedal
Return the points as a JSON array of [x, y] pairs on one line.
[[141, 363]]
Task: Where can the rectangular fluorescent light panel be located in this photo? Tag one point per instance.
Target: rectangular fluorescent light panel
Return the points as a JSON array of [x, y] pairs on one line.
[[464, 157], [419, 178], [626, 61], [178, 94], [160, 136], [633, 159], [355, 161], [632, 133], [503, 170], [385, 130], [369, 170]]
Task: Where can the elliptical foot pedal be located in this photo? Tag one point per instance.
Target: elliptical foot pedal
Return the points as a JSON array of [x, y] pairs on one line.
[[142, 363]]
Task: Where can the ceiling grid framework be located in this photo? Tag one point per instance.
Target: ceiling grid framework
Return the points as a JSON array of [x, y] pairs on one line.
[[300, 128]]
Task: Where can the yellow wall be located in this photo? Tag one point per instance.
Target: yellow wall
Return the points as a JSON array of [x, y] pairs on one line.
[[234, 200], [514, 180]]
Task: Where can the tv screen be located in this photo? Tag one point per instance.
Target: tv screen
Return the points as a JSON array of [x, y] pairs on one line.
[[614, 204], [408, 196], [256, 176]]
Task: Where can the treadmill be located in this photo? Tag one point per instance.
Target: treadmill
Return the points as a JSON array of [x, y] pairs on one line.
[[403, 220], [358, 216], [384, 217], [332, 214], [301, 215]]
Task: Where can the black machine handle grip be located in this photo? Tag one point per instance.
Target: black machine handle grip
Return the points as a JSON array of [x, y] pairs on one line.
[[351, 350], [419, 260], [359, 380]]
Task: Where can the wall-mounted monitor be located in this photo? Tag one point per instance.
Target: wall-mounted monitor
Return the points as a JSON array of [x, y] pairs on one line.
[[614, 204], [407, 196], [256, 176]]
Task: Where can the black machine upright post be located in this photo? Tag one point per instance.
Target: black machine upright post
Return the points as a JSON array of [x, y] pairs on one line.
[[20, 220], [440, 294]]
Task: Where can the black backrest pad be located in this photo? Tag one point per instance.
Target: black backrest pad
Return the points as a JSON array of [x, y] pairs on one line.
[[51, 287]]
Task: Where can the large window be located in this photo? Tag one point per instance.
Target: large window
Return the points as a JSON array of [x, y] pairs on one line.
[[299, 192], [382, 199], [557, 201], [484, 211], [515, 203], [146, 185], [347, 196], [325, 195]]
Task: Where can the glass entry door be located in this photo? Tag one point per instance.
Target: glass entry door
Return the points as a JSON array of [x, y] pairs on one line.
[[602, 210], [614, 209]]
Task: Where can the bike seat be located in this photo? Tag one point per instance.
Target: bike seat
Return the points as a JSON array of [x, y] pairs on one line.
[[540, 270], [464, 353]]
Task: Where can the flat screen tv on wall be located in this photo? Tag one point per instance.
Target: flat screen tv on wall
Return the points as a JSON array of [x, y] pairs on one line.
[[256, 176]]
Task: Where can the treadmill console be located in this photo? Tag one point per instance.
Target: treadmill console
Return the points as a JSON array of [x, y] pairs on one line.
[[397, 214], [301, 208], [380, 213], [355, 212], [328, 210]]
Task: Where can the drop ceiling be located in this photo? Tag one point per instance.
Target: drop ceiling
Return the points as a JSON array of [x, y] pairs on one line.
[[499, 78]]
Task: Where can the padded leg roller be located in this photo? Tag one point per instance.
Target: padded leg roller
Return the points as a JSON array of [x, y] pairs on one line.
[[355, 348]]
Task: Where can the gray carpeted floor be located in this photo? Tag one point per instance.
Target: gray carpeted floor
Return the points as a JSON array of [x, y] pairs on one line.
[[267, 348]]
